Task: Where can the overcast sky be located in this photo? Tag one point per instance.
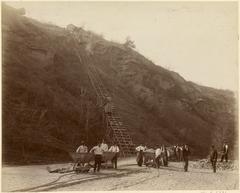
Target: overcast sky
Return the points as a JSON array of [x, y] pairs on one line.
[[197, 40]]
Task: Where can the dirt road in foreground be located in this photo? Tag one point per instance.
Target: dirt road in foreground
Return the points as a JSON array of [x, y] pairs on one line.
[[128, 177]]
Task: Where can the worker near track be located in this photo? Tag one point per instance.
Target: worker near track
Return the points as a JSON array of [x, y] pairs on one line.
[[213, 158], [82, 148], [175, 152], [104, 146], [186, 153], [158, 153], [98, 152], [181, 152], [178, 152], [225, 152], [165, 155], [108, 106], [115, 149], [140, 149]]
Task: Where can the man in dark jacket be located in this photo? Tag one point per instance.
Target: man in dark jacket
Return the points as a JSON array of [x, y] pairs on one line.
[[186, 153], [213, 158], [165, 155]]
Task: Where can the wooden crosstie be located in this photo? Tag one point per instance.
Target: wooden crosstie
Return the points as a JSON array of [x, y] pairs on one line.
[[116, 131]]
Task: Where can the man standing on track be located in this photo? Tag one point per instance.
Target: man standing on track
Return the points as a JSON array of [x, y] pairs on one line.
[[115, 149], [108, 106], [98, 152], [213, 158], [186, 153]]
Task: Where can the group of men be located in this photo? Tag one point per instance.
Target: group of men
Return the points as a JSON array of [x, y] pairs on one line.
[[182, 154], [161, 153], [162, 150], [178, 152], [214, 155], [98, 151]]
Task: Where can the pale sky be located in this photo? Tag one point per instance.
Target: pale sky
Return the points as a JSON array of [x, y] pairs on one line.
[[199, 40]]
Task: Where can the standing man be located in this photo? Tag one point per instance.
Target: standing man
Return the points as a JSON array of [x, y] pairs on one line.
[[108, 106], [178, 151], [115, 149], [181, 152], [104, 146], [98, 152], [175, 151], [213, 158], [165, 155], [158, 153], [82, 148], [186, 153], [140, 149], [225, 152]]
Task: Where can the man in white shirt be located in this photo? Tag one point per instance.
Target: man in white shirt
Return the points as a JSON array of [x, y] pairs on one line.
[[158, 153], [104, 146], [82, 148], [141, 148], [98, 152], [115, 149], [179, 152], [225, 152]]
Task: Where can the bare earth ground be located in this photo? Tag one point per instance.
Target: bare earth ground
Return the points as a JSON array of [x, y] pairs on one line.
[[128, 177]]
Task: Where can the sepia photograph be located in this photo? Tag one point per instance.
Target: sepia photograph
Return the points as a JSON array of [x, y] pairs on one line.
[[119, 96]]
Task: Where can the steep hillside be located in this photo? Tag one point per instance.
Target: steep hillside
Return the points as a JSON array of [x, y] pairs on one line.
[[47, 94], [174, 110]]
